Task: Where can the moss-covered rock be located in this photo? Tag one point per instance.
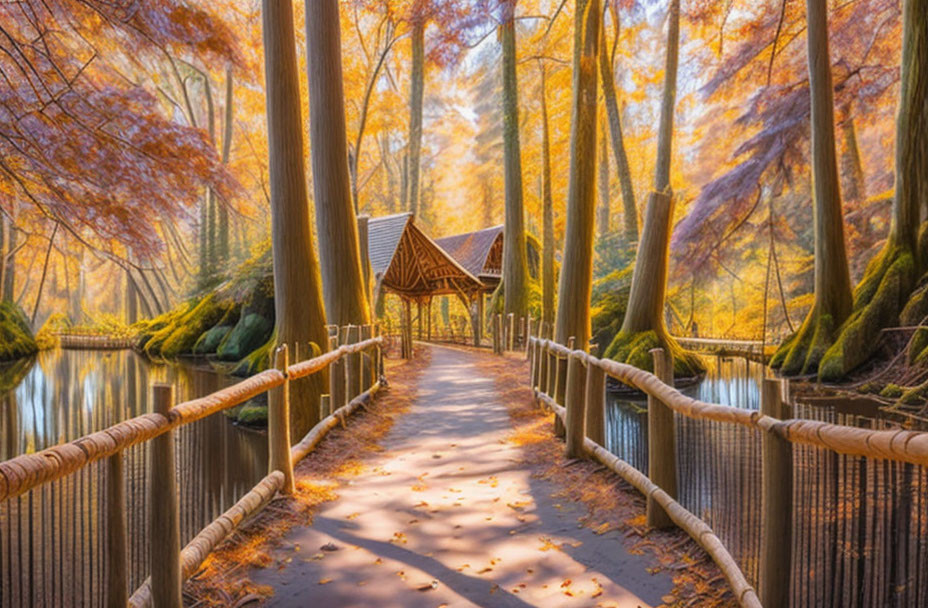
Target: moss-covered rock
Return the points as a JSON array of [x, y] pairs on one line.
[[258, 359], [16, 339], [634, 348], [252, 414], [254, 326]]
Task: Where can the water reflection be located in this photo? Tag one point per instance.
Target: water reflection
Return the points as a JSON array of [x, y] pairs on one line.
[[61, 395], [728, 381]]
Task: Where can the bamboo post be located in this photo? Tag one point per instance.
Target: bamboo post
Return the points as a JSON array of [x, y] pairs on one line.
[[164, 542], [336, 381], [662, 465], [596, 404], [776, 554], [117, 559], [576, 405], [278, 423]]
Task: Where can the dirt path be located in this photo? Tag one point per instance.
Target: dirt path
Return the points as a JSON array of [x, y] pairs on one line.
[[447, 516]]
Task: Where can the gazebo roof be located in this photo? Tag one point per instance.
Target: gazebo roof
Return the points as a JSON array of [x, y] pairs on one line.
[[480, 252], [406, 261]]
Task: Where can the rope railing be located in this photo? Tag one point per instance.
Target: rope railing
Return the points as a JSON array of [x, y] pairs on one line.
[[570, 383], [356, 368]]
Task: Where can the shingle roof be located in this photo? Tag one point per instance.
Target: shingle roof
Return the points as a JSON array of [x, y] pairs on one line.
[[471, 248], [383, 237]]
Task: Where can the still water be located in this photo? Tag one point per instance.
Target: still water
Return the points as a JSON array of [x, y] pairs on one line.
[[52, 539]]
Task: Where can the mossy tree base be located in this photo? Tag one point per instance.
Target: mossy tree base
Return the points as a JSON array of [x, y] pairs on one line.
[[879, 298], [801, 353], [634, 348]]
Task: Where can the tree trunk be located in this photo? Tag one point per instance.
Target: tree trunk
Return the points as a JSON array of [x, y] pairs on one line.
[[48, 255], [852, 170], [629, 206], [3, 253], [416, 90], [649, 280], [297, 296], [9, 279], [885, 295], [602, 213], [223, 210], [644, 327], [573, 312], [547, 262], [515, 263], [912, 126], [336, 224]]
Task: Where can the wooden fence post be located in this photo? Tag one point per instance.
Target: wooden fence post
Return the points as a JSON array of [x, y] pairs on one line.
[[596, 404], [164, 530], [498, 330], [510, 332], [560, 390], [575, 397], [336, 380], [278, 423], [353, 365], [662, 457], [776, 550], [365, 357], [527, 334], [117, 559]]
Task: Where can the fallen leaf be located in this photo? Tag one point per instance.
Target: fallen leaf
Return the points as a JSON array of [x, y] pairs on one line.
[[325, 581]]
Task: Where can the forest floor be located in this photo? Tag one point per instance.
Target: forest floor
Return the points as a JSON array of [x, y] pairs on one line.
[[458, 494]]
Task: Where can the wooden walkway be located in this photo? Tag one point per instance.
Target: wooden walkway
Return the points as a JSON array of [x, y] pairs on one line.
[[448, 515]]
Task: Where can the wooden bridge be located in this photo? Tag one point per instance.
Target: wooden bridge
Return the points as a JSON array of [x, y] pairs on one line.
[[813, 513]]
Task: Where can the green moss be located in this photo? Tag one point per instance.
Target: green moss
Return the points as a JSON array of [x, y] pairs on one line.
[[892, 391], [258, 359], [16, 339], [252, 414], [635, 349], [802, 352], [879, 298], [609, 302], [210, 340], [914, 395], [180, 335]]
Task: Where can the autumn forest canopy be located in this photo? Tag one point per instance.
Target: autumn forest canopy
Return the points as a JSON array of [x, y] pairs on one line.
[[190, 174]]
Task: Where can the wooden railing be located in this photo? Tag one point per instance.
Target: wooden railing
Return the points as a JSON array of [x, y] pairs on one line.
[[355, 373], [571, 384]]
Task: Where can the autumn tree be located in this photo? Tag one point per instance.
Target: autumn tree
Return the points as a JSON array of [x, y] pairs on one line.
[[548, 311], [515, 261], [299, 314], [607, 68], [883, 292], [802, 353], [643, 327], [342, 278]]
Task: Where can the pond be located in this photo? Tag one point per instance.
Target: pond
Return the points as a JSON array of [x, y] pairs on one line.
[[52, 538]]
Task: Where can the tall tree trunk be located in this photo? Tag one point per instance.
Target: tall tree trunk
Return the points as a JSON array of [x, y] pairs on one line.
[[576, 283], [649, 280], [602, 213], [336, 225], [883, 295], [644, 327], [515, 262], [629, 206], [804, 351], [132, 301], [9, 279], [299, 313], [48, 255], [852, 170], [223, 209], [3, 253], [416, 91], [548, 311]]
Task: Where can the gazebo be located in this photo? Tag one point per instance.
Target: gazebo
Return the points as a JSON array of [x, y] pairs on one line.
[[409, 264]]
